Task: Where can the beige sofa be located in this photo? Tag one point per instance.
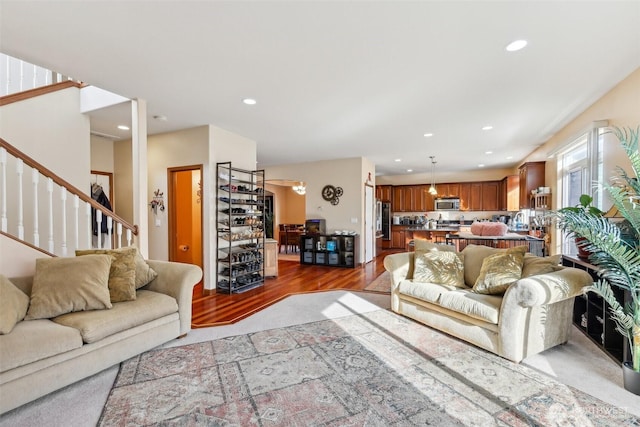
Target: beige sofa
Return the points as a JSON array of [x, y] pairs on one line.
[[532, 315], [40, 356]]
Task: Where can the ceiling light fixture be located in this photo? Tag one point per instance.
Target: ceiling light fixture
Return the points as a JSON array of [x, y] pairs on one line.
[[427, 135], [409, 170], [488, 127], [123, 127], [397, 160], [481, 165], [300, 188], [432, 189], [516, 45], [488, 152], [250, 101]]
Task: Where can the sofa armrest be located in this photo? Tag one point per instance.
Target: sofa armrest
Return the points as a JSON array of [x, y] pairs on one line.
[[177, 280], [400, 266], [551, 287]]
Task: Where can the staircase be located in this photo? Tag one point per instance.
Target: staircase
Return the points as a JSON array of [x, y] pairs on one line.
[[40, 209]]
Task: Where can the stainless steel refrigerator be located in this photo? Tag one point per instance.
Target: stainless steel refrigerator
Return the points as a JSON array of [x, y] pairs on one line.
[[386, 221]]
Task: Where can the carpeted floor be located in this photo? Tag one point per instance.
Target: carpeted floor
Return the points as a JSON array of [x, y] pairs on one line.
[[382, 283], [579, 364], [375, 369]]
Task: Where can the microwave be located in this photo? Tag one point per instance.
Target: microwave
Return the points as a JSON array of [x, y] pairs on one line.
[[448, 204]]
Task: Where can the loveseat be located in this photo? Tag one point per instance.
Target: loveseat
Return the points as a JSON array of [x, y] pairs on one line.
[[528, 313], [43, 354]]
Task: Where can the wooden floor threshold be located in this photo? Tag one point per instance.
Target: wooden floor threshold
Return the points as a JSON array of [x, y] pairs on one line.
[[220, 309]]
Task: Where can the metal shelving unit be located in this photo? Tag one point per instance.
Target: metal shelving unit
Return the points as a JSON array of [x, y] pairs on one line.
[[240, 228]]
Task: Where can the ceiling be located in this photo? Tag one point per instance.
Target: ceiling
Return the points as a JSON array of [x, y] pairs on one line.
[[342, 79]]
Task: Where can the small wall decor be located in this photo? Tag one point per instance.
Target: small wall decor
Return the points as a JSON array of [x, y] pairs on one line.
[[157, 203], [332, 194]]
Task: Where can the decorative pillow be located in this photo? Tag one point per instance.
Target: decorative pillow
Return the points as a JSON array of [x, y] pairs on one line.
[[534, 265], [494, 229], [440, 267], [144, 273], [65, 285], [13, 305], [421, 245], [476, 228], [122, 276], [473, 257], [499, 271]]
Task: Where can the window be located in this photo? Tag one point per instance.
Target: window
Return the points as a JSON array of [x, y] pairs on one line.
[[580, 165]]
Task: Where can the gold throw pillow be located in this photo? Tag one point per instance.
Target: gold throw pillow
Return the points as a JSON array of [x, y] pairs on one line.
[[440, 267], [499, 271], [13, 305], [122, 276]]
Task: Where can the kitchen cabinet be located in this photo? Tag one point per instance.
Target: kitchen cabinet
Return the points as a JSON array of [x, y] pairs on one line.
[[448, 190], [398, 236], [465, 195], [489, 196], [384, 192], [397, 200], [509, 197], [531, 176], [475, 196]]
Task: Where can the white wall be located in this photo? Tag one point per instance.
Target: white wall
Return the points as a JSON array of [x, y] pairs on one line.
[[16, 259], [51, 130], [102, 155]]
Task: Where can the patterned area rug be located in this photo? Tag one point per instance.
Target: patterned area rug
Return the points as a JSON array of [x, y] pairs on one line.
[[382, 283], [376, 369]]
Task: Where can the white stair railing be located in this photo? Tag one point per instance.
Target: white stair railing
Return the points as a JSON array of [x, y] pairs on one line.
[[16, 198]]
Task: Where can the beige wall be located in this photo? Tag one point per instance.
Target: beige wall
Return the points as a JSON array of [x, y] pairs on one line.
[[345, 173], [102, 155], [620, 107], [443, 176]]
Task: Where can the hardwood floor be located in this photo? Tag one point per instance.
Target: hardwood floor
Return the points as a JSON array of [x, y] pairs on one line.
[[293, 278]]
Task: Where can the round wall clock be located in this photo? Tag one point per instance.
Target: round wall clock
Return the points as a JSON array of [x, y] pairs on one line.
[[329, 192]]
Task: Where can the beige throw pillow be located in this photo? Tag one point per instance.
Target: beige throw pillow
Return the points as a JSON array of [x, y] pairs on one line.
[[534, 265], [122, 276], [499, 271], [144, 273], [13, 305], [440, 267], [65, 285]]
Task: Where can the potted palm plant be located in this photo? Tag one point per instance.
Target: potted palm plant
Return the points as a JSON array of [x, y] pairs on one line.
[[617, 256]]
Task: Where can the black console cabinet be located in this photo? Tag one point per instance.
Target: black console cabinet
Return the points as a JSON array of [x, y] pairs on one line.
[[592, 316], [335, 250]]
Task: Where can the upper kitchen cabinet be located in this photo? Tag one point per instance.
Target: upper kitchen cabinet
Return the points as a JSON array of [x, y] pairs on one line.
[[531, 177], [448, 190], [475, 196], [384, 193], [490, 199], [403, 198], [465, 196], [509, 196]]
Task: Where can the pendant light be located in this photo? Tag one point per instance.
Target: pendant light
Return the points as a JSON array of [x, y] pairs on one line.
[[300, 188], [432, 189]]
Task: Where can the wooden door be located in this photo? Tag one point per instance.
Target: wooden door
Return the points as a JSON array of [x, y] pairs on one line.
[[397, 201], [185, 215], [397, 238], [409, 202], [386, 193]]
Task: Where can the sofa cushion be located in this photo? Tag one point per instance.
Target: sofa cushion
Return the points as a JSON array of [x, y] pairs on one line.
[[441, 267], [481, 307], [499, 271], [473, 257], [122, 275], [64, 285], [429, 292], [534, 265], [96, 325], [13, 305], [32, 340]]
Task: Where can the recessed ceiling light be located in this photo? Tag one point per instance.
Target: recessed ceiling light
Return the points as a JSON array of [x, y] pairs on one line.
[[409, 170], [488, 127], [123, 127], [397, 160], [488, 152], [516, 45], [427, 135], [249, 101], [509, 157], [481, 165]]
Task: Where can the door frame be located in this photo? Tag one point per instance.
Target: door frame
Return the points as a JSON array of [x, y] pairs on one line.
[[171, 216]]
